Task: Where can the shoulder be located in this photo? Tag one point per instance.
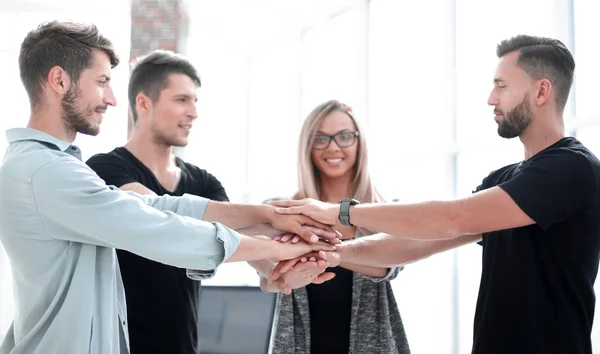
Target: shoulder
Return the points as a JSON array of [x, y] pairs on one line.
[[566, 157], [118, 155], [568, 150], [24, 160], [64, 170]]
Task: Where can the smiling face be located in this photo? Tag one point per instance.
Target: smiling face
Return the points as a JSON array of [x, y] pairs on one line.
[[174, 111], [86, 101], [335, 161]]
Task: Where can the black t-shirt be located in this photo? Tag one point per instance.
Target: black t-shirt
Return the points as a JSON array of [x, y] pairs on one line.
[[536, 293], [329, 305], [162, 302]]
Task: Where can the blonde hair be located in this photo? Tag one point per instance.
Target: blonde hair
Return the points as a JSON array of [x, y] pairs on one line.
[[309, 185]]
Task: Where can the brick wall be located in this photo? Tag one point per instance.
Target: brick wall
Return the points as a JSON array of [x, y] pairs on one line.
[[157, 24]]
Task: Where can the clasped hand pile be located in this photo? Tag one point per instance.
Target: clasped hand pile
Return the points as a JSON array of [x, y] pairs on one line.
[[309, 224]]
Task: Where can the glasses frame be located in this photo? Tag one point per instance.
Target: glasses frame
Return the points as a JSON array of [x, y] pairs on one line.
[[334, 137]]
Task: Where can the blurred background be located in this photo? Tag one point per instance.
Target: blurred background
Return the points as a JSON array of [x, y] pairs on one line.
[[417, 73]]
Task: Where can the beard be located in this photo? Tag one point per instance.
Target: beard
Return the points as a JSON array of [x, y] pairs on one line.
[[516, 120], [76, 117]]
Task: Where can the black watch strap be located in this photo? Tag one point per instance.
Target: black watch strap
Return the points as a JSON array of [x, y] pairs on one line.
[[344, 215]]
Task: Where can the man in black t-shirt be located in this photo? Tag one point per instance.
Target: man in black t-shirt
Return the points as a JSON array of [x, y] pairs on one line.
[[538, 220], [161, 300]]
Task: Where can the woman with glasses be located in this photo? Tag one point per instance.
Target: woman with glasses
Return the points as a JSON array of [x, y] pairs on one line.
[[355, 311]]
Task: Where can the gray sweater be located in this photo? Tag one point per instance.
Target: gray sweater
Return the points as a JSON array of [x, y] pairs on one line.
[[375, 325]]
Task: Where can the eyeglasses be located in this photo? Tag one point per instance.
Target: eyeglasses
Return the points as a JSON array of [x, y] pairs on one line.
[[342, 139]]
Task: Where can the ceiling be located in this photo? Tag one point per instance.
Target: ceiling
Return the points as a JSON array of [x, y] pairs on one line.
[[242, 26], [245, 25]]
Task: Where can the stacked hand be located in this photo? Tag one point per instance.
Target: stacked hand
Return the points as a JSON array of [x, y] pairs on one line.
[[297, 273], [321, 212], [303, 227], [306, 221]]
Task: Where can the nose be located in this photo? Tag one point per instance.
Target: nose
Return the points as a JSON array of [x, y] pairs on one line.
[[109, 97], [493, 99], [193, 111], [333, 145]]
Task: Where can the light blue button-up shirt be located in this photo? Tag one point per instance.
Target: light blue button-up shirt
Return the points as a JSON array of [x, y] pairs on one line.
[[60, 224]]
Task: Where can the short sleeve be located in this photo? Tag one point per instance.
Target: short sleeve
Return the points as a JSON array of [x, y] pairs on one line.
[[479, 188], [552, 187], [214, 189]]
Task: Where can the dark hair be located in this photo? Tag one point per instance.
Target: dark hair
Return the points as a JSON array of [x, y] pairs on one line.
[[151, 75], [542, 57], [66, 44]]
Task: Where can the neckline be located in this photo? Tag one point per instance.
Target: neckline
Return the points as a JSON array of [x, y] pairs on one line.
[[178, 162]]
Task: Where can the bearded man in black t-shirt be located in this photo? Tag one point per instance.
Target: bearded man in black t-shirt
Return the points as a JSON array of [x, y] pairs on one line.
[[538, 220]]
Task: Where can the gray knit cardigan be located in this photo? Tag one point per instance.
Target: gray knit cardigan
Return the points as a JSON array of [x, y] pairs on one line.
[[375, 325]]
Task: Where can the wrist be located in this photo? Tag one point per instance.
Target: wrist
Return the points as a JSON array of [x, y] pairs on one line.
[[263, 267], [341, 253], [265, 213], [279, 251], [346, 205]]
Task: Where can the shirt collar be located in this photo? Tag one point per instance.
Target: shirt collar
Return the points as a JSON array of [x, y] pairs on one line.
[[22, 134]]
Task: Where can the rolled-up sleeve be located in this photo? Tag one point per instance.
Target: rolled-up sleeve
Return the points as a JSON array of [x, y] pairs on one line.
[[229, 238], [76, 205]]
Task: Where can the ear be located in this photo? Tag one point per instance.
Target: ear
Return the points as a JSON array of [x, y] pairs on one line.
[[544, 90], [143, 104], [58, 80]]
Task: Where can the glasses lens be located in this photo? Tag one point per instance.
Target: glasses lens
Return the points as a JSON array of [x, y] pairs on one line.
[[320, 142], [345, 139]]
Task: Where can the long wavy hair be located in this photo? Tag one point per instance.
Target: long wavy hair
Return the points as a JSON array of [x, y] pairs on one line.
[[309, 176]]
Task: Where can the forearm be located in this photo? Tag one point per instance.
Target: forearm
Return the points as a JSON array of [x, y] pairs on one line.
[[263, 266], [386, 251], [238, 216], [254, 249], [426, 221], [260, 229], [378, 272]]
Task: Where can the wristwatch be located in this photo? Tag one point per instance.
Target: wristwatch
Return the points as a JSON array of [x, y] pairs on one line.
[[344, 215]]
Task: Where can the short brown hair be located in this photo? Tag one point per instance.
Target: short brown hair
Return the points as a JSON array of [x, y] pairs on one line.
[[66, 44]]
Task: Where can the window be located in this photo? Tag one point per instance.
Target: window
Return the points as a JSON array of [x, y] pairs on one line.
[[274, 121], [331, 58]]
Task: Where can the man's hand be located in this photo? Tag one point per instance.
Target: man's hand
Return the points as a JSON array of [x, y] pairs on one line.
[[324, 213], [305, 227]]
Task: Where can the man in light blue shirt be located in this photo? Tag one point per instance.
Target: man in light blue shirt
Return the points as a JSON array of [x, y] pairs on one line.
[[60, 223]]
